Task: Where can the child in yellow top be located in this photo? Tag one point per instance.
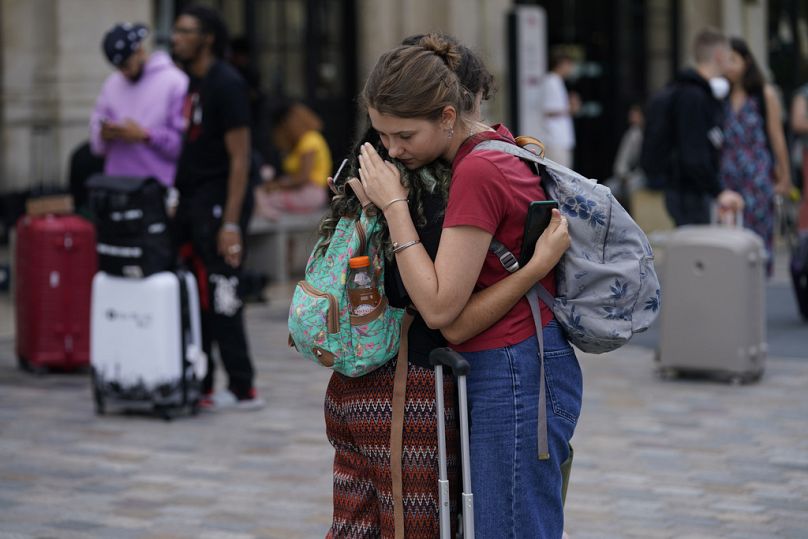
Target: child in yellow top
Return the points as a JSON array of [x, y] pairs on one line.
[[307, 164]]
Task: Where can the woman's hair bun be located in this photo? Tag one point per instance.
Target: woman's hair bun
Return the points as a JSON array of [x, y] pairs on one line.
[[443, 48]]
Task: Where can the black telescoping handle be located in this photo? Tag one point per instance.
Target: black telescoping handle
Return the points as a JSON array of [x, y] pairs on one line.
[[449, 358]]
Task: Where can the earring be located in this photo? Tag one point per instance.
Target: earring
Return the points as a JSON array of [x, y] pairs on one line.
[[450, 133]]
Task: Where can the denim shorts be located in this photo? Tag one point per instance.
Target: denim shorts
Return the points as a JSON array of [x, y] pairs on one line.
[[516, 494]]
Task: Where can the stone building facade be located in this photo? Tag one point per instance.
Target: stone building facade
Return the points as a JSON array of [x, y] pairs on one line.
[[51, 66]]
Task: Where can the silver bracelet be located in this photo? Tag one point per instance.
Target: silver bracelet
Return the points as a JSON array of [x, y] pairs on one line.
[[393, 202], [232, 227], [397, 248]]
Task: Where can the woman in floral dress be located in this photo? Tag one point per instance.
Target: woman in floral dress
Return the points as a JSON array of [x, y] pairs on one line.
[[754, 159]]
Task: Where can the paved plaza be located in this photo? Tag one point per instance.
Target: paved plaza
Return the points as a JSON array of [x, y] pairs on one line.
[[653, 458]]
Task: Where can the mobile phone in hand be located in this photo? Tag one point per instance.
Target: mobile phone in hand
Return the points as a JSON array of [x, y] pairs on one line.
[[335, 177], [538, 217]]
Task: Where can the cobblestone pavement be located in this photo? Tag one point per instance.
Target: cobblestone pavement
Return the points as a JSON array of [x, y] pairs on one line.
[[653, 458]]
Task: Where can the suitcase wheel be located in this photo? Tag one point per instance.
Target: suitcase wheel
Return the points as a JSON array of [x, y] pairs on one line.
[[100, 405], [667, 373], [745, 378], [164, 412], [98, 395], [27, 366]]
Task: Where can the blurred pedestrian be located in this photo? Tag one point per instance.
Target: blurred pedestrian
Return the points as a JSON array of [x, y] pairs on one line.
[[241, 57], [137, 122], [302, 185], [557, 109], [754, 158], [215, 204], [83, 164], [799, 125], [628, 176], [693, 182]]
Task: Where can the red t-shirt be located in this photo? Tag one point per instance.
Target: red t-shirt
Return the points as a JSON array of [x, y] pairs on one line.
[[491, 190]]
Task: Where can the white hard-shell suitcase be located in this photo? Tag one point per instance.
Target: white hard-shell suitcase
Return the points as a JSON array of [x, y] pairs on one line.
[[146, 342], [713, 303]]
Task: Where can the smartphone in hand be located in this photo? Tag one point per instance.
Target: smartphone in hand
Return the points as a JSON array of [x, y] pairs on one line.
[[339, 171], [539, 214]]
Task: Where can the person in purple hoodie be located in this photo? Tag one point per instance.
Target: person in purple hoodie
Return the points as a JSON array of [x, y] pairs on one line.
[[137, 123]]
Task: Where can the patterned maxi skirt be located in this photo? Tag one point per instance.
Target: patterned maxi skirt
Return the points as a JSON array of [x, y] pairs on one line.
[[358, 413]]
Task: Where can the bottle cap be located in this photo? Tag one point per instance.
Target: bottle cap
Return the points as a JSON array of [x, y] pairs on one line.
[[359, 262]]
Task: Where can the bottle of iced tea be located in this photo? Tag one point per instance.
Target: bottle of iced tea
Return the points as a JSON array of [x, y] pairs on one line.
[[362, 292]]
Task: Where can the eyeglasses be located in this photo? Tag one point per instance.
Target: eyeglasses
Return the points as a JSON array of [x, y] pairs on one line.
[[184, 30]]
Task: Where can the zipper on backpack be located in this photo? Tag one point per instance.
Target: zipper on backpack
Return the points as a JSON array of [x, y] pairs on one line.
[[332, 318]]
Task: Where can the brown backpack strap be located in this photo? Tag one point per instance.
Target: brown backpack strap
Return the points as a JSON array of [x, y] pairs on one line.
[[397, 428], [523, 140]]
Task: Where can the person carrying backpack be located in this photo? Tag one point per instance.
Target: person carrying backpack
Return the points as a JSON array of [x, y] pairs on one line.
[[420, 109], [359, 410], [799, 125], [684, 137]]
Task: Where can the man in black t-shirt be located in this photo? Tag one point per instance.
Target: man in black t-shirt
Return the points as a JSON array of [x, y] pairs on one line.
[[215, 204]]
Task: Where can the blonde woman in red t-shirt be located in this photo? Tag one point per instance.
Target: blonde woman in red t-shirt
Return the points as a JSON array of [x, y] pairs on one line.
[[416, 102]]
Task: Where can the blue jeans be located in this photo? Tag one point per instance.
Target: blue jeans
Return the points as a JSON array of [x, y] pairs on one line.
[[515, 493]]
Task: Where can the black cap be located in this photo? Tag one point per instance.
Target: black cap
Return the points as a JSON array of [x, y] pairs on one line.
[[122, 40]]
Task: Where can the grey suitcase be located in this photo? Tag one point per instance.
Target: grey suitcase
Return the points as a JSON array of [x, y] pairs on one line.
[[713, 303]]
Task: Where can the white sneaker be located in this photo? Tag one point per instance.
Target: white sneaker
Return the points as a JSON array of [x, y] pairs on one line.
[[252, 402], [226, 400]]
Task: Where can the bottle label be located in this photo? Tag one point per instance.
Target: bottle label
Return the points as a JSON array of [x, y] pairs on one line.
[[363, 300]]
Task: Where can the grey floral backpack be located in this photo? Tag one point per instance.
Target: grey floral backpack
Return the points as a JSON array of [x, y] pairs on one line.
[[606, 286]]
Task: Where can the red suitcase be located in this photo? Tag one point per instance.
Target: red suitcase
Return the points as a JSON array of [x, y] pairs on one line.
[[55, 263]]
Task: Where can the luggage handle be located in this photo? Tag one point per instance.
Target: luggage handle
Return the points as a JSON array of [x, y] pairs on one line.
[[716, 219], [119, 184], [451, 359], [460, 367]]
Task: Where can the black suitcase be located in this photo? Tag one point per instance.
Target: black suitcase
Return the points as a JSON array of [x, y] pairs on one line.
[[132, 226], [799, 273]]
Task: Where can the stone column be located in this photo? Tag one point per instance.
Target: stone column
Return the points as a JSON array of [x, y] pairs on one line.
[[479, 24], [694, 16], [659, 41], [483, 28], [748, 20]]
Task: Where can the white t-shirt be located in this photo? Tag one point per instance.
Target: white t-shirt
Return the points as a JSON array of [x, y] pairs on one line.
[[557, 130]]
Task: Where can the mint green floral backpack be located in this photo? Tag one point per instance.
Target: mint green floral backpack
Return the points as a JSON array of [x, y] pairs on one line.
[[321, 326]]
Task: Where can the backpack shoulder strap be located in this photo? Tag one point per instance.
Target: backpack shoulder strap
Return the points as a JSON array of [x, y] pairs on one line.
[[359, 191], [538, 292], [524, 140], [513, 149], [506, 257]]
